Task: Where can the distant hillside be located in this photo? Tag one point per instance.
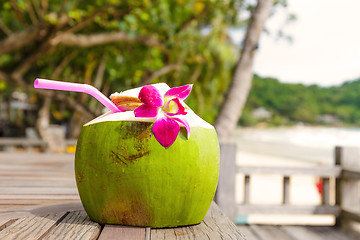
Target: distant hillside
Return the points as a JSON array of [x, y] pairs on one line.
[[276, 103]]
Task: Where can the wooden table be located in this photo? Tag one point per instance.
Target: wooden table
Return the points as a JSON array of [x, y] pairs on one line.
[[39, 200], [55, 222]]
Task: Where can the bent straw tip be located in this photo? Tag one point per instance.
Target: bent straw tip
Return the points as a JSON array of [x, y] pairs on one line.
[[39, 82], [36, 83]]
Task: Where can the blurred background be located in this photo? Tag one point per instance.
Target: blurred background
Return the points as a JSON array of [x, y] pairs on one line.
[[306, 61], [279, 78]]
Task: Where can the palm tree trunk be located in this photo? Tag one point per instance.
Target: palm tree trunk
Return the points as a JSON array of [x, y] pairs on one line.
[[234, 103]]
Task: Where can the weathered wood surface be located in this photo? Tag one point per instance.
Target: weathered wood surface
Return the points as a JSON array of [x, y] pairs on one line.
[[39, 190], [30, 227], [215, 226], [348, 188], [39, 200], [287, 209], [11, 144], [226, 184], [77, 225], [112, 232], [270, 232], [33, 179], [59, 224], [320, 171]]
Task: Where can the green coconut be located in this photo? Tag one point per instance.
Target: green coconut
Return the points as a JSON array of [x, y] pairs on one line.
[[125, 176]]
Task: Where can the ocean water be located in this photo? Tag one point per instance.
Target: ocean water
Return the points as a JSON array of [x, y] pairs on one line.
[[311, 145]]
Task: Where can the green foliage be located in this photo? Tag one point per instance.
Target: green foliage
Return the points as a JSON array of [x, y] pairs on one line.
[[177, 26], [291, 103]]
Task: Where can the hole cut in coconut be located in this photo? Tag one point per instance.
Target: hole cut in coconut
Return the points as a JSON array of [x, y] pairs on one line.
[[193, 119]]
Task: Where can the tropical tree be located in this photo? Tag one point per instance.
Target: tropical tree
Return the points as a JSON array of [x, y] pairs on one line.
[[115, 45], [240, 86]]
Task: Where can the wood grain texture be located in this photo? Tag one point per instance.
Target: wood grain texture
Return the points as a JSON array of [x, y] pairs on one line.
[[75, 226], [286, 190], [215, 226], [287, 209], [35, 179], [30, 227], [321, 171], [116, 232], [4, 223], [225, 193], [301, 233], [246, 189], [270, 232], [249, 233], [350, 158], [325, 197], [333, 233]]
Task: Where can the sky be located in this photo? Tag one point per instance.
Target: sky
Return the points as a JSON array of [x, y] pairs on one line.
[[326, 43]]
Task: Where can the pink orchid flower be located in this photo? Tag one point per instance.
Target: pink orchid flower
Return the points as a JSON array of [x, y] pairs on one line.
[[168, 109]]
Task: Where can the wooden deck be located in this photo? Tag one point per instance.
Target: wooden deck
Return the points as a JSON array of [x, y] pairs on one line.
[[33, 185], [32, 179], [269, 232], [71, 225]]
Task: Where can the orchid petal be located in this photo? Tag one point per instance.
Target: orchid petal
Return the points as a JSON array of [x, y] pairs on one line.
[[146, 111], [151, 96], [166, 131], [186, 125], [180, 92], [174, 107]]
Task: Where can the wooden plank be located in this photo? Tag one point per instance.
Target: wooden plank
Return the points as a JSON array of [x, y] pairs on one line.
[[301, 233], [350, 194], [41, 210], [333, 233], [75, 226], [225, 194], [37, 178], [38, 190], [286, 190], [24, 168], [30, 142], [65, 183], [325, 197], [112, 232], [287, 209], [215, 226], [351, 215], [21, 141], [321, 171], [338, 183], [41, 196], [348, 174], [29, 201], [4, 223], [170, 234], [31, 227], [25, 205], [41, 157], [350, 158], [248, 232], [6, 216], [147, 233], [246, 189], [270, 232], [33, 173]]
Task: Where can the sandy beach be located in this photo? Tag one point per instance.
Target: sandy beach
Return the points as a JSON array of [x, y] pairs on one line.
[[296, 146]]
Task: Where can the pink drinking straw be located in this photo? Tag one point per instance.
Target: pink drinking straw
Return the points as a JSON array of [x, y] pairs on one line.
[[76, 87]]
